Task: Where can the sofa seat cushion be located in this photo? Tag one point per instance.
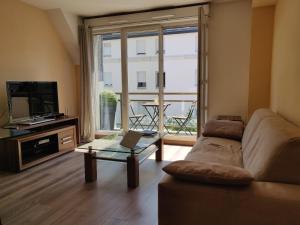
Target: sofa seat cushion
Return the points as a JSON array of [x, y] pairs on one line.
[[210, 173], [216, 150]]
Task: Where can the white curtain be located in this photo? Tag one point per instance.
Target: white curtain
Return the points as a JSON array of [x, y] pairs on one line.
[[87, 84], [98, 65], [202, 102]]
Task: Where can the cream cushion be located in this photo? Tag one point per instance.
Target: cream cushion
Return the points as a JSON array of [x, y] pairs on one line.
[[224, 129], [272, 152], [206, 172]]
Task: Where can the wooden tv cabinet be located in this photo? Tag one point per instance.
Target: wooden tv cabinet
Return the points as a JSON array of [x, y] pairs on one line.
[[30, 145]]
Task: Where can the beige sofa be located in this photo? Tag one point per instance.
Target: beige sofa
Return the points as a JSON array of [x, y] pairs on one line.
[[270, 150]]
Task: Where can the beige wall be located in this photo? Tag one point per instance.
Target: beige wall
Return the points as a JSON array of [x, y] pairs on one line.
[[285, 86], [32, 50], [229, 58], [261, 58]]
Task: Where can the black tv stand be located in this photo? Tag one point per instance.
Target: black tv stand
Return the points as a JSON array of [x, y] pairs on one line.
[[29, 145]]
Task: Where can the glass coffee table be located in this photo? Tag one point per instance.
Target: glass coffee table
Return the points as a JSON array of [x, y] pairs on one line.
[[109, 148]]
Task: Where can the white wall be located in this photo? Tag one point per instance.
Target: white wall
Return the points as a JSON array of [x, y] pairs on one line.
[[285, 91], [66, 25], [31, 50], [229, 58]]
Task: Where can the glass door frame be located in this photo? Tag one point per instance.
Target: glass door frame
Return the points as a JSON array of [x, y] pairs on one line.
[[124, 63], [102, 32], [124, 66]]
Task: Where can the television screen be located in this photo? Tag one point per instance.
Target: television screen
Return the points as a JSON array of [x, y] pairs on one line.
[[31, 99]]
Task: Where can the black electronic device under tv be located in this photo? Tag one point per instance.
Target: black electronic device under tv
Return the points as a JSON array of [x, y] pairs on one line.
[[31, 99]]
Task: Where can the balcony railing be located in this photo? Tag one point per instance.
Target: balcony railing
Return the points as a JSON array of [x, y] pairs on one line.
[[178, 104]]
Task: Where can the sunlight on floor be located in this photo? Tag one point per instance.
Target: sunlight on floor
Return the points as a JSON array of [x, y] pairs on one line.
[[174, 152]]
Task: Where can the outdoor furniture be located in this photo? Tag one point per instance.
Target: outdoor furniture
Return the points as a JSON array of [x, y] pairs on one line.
[[109, 148], [136, 119], [152, 108], [183, 121]]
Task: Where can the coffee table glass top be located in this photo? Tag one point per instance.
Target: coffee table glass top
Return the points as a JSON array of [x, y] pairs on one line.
[[109, 148]]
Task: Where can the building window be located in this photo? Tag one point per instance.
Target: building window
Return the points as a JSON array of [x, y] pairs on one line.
[[141, 79], [157, 79], [107, 79], [140, 47], [196, 78], [107, 49]]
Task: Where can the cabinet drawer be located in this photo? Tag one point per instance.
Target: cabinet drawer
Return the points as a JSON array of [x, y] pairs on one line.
[[67, 139]]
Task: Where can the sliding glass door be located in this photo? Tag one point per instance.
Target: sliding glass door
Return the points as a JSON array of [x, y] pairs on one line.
[[181, 80], [147, 79], [107, 51], [143, 78]]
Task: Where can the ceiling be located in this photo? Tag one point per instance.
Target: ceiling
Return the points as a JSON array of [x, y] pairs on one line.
[[102, 7]]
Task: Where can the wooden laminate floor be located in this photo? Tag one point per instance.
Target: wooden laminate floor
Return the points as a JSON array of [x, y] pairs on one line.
[[55, 193]]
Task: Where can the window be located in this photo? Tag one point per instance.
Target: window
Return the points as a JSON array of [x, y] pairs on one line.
[[107, 79], [141, 79], [157, 79], [140, 47], [196, 78], [107, 49]]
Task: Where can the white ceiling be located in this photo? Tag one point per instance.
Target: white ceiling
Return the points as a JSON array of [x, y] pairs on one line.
[[102, 7]]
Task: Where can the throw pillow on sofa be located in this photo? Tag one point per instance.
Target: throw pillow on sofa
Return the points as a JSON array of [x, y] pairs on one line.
[[224, 129], [211, 173]]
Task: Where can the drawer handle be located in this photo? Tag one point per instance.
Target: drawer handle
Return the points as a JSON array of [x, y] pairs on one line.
[[66, 138], [66, 142]]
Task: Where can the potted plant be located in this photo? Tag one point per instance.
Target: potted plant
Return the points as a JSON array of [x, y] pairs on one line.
[[108, 106]]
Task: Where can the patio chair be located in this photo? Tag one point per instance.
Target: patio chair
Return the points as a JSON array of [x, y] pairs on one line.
[[183, 121], [136, 119]]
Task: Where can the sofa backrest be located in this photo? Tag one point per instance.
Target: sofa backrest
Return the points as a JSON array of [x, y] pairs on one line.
[[271, 148], [253, 123]]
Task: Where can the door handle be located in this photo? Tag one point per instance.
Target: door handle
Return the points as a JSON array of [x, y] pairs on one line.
[[164, 79]]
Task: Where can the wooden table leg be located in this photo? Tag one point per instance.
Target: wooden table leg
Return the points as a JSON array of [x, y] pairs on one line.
[[90, 166], [132, 171], [160, 152]]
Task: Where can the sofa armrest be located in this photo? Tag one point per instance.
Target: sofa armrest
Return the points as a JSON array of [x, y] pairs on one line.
[[261, 203]]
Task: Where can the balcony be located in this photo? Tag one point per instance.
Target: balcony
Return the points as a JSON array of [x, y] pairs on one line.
[[144, 108]]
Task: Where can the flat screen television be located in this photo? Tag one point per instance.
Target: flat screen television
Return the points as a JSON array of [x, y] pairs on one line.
[[31, 99]]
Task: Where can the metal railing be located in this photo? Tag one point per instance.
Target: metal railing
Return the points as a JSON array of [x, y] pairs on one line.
[[182, 109], [156, 93]]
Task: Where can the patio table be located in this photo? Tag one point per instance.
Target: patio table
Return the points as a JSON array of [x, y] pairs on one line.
[[152, 108]]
